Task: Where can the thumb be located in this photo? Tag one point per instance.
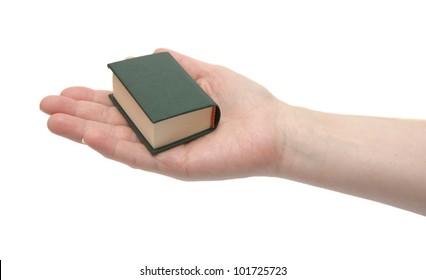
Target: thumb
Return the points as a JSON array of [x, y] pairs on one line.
[[195, 68]]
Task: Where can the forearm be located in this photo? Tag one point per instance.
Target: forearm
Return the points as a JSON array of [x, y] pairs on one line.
[[375, 158]]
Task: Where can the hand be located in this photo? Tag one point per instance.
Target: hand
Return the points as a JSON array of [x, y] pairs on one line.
[[247, 141]]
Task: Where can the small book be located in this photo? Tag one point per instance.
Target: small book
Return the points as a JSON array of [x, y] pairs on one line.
[[161, 102]]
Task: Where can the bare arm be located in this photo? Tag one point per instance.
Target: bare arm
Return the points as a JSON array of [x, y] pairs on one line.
[[380, 159]]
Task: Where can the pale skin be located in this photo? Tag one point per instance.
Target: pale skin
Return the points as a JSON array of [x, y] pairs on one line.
[[381, 159]]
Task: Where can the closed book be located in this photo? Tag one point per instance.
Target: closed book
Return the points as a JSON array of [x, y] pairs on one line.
[[161, 102]]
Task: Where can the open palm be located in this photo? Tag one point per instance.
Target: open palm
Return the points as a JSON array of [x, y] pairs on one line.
[[245, 143]]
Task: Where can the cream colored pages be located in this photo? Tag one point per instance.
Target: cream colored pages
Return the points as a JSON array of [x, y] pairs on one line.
[[171, 130], [135, 113]]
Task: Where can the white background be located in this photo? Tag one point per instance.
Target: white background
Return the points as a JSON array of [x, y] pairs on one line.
[[68, 213]]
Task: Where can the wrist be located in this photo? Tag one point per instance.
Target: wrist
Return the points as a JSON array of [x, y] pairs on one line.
[[285, 125], [299, 136]]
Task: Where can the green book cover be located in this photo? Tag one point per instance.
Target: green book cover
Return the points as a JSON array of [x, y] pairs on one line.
[[161, 102]]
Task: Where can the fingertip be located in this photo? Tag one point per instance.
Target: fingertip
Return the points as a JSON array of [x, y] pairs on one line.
[[66, 126], [44, 104], [55, 123], [175, 54], [88, 94], [76, 91], [161, 50], [53, 104]]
